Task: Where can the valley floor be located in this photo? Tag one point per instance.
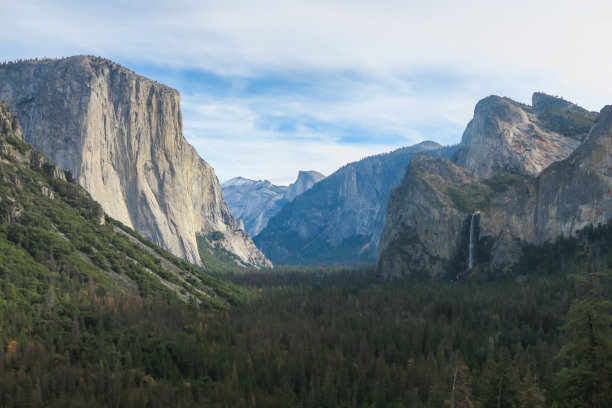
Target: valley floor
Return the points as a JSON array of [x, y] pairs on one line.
[[316, 338]]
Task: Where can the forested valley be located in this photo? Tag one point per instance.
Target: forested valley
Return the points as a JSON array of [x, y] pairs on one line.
[[321, 338]]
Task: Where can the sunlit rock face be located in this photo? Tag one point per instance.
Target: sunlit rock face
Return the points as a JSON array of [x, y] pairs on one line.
[[505, 135], [565, 198], [517, 179], [121, 136]]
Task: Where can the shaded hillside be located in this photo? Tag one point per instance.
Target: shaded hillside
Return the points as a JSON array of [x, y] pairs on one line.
[[51, 230], [427, 228], [340, 219]]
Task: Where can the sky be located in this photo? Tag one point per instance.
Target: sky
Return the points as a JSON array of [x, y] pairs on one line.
[[271, 87]]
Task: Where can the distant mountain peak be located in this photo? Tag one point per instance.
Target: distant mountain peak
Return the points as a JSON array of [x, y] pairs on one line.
[[254, 202], [339, 219], [305, 180], [428, 145]]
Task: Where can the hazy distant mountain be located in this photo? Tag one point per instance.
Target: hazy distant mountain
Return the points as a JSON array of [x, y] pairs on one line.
[[255, 202], [304, 181], [339, 220], [121, 135]]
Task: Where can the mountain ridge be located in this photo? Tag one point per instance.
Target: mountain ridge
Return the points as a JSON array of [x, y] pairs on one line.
[[340, 218], [254, 202]]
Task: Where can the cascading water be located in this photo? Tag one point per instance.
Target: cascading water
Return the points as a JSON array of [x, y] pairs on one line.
[[471, 246]]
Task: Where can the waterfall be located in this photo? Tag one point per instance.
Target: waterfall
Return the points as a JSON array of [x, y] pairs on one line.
[[471, 247]]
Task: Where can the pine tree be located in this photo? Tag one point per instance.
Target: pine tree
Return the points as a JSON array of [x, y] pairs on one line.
[[460, 393], [586, 381], [529, 394]]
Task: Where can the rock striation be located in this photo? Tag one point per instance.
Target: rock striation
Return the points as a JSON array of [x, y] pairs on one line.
[[523, 139], [121, 136], [339, 220], [254, 202]]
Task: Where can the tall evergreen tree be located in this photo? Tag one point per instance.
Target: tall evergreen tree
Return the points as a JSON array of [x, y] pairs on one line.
[[586, 381]]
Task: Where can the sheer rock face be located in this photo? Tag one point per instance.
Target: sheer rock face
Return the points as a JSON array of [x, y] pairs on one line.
[[339, 220], [254, 202], [9, 124], [425, 233], [565, 198], [505, 135], [121, 136]]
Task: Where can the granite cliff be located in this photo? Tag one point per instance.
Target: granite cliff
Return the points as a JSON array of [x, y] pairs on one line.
[[52, 232], [522, 139], [428, 218], [445, 219], [565, 198], [339, 220], [121, 136]]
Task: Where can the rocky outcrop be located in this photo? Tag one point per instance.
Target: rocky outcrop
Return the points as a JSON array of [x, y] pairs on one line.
[[565, 198], [304, 182], [254, 202], [121, 136], [339, 220], [426, 233], [561, 116], [9, 124], [506, 136]]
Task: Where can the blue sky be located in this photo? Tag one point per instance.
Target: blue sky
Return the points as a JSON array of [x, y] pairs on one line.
[[273, 87]]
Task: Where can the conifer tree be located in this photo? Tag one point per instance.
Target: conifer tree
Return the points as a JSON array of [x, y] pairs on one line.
[[586, 381]]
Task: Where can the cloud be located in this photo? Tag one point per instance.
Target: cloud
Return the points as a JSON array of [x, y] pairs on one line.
[[274, 86], [246, 37], [275, 134]]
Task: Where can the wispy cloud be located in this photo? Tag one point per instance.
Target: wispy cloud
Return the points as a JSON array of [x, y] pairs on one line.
[[271, 87]]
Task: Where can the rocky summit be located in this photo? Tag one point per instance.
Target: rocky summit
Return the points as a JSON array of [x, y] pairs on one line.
[[505, 135], [446, 220], [254, 202], [565, 198], [121, 136]]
